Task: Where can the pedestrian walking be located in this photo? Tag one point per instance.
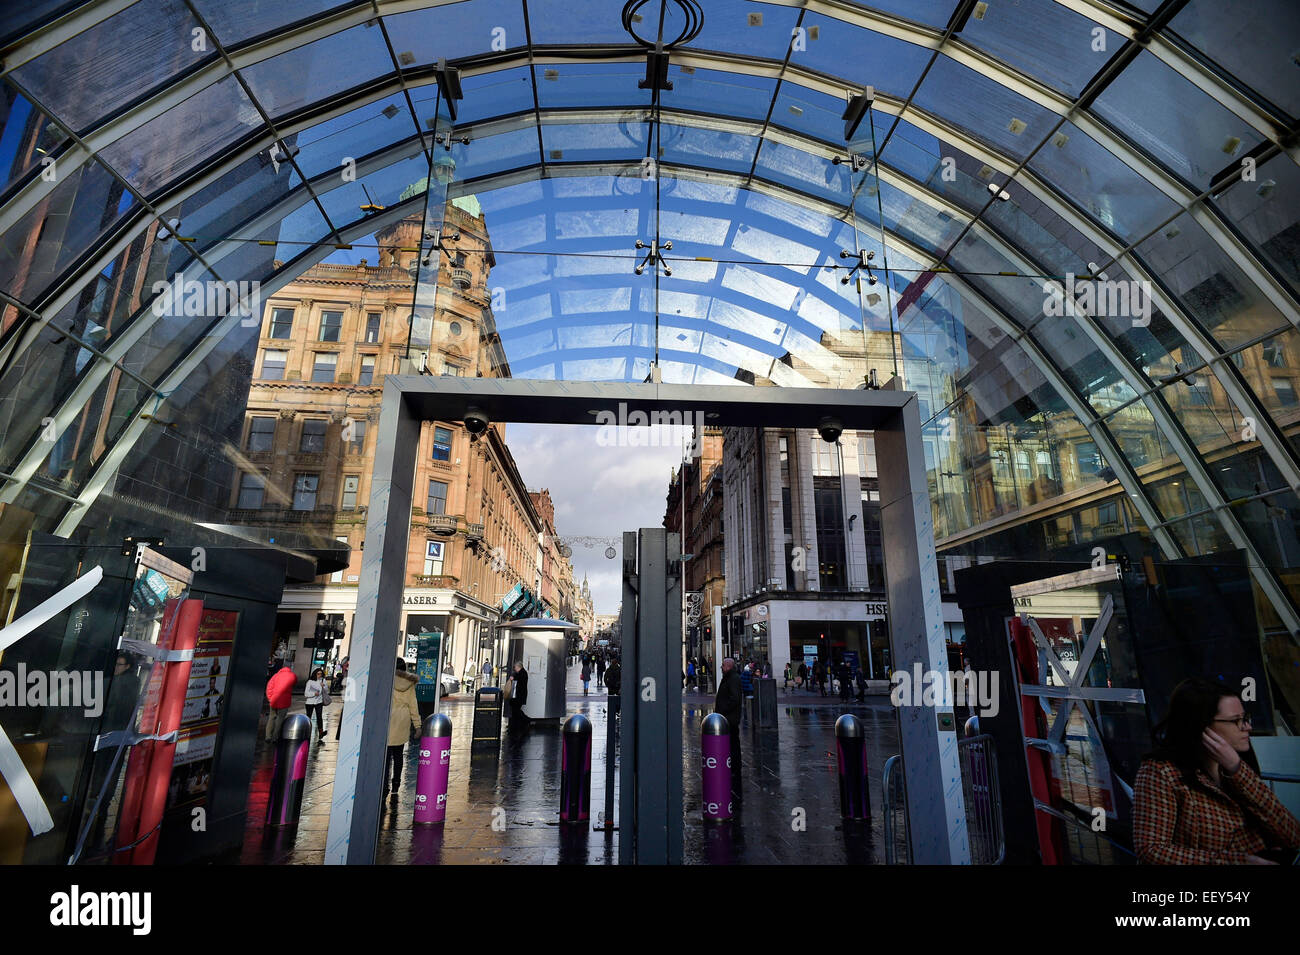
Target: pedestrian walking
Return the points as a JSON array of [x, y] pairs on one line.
[[801, 676], [862, 685], [279, 693], [518, 692], [690, 672], [316, 696], [586, 677], [614, 678], [845, 684], [785, 682], [600, 670], [821, 677], [728, 702], [403, 722]]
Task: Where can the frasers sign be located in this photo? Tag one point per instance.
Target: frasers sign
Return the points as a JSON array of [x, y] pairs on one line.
[[419, 600], [1062, 603], [878, 610]]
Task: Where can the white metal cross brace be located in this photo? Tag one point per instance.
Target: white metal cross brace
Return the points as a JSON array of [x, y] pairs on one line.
[[1071, 693], [12, 767]]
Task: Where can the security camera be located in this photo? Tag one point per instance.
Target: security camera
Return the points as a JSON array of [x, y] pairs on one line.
[[476, 422], [830, 429]]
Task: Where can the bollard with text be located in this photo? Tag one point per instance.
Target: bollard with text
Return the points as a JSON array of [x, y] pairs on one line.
[[715, 759], [851, 747], [435, 766], [285, 804], [575, 770]]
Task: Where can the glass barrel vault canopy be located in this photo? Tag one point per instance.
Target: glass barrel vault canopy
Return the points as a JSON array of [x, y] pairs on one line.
[[1081, 219]]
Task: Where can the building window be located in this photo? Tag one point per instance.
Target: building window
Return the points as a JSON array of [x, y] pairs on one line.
[[441, 444], [867, 455], [281, 322], [367, 374], [433, 558], [313, 436], [261, 434], [331, 325], [453, 370], [437, 498], [1285, 391], [829, 509], [273, 364], [304, 491], [337, 576], [322, 368], [357, 445], [373, 324], [252, 489], [455, 329], [351, 485], [787, 519]]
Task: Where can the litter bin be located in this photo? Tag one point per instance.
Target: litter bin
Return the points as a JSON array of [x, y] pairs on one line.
[[487, 718]]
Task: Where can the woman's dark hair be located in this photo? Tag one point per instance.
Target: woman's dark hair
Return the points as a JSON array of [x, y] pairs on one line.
[[318, 671], [401, 665], [1193, 706]]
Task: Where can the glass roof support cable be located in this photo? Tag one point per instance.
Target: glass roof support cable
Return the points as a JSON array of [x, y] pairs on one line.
[[532, 79], [955, 24], [286, 154], [884, 246], [776, 92], [401, 78]]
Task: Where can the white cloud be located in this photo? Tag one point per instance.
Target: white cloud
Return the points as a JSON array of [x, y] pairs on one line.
[[598, 491]]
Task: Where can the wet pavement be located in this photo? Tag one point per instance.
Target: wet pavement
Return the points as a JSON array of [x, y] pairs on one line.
[[505, 810]]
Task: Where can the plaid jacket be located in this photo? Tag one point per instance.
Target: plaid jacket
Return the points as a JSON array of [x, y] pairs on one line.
[[1178, 824]]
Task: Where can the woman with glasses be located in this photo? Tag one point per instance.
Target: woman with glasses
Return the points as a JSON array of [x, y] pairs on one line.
[[1198, 798]]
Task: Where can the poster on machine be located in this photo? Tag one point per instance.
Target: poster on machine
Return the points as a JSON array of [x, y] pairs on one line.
[[205, 697], [428, 663]]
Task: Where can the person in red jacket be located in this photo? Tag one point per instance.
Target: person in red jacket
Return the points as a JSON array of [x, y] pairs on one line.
[[279, 693]]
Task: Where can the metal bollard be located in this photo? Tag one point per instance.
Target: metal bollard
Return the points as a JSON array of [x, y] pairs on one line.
[[435, 766], [971, 727], [285, 803], [575, 769], [851, 745], [715, 759]]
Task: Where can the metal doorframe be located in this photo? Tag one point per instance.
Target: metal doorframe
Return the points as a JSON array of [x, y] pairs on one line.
[[936, 810]]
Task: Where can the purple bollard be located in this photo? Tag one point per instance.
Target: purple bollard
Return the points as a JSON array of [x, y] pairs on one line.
[[851, 745], [290, 773], [575, 769], [715, 753], [435, 765]]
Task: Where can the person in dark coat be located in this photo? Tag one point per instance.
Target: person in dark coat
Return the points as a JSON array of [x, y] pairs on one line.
[[614, 678], [518, 697], [728, 703]]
